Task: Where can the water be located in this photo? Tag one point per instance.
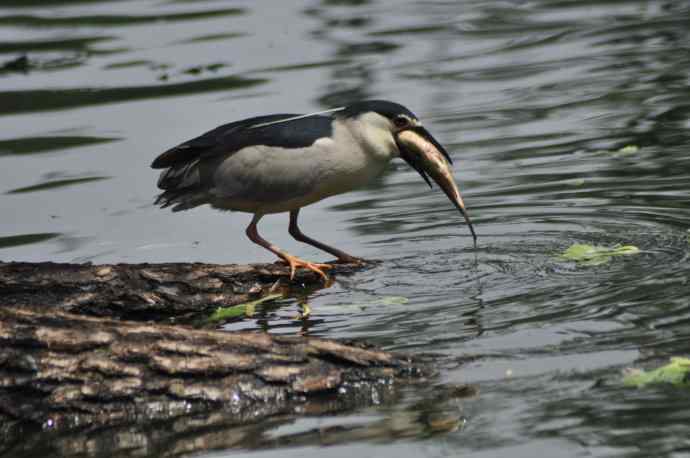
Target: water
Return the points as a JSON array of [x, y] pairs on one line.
[[569, 122]]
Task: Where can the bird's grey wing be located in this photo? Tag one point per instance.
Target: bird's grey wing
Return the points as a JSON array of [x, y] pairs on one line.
[[223, 139], [183, 179]]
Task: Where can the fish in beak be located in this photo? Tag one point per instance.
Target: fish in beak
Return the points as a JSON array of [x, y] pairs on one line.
[[424, 154]]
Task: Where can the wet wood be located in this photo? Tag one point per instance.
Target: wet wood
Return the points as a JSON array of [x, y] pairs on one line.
[[172, 292], [60, 369], [93, 346]]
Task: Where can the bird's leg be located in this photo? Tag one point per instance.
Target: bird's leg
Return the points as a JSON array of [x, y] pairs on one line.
[[293, 261], [299, 236]]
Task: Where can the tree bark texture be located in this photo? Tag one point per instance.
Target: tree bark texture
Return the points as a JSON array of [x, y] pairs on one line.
[[89, 356], [173, 292], [60, 369]]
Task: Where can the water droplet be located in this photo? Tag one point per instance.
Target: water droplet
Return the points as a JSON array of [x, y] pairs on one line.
[[375, 398]]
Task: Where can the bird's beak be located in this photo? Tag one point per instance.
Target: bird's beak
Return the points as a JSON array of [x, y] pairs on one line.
[[424, 154]]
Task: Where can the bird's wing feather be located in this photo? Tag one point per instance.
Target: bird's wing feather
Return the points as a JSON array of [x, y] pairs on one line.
[[262, 130]]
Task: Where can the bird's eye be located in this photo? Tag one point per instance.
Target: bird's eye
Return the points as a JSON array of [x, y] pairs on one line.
[[401, 121]]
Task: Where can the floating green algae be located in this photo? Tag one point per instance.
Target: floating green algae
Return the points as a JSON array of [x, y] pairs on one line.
[[629, 149], [592, 255], [676, 373], [626, 150], [239, 310]]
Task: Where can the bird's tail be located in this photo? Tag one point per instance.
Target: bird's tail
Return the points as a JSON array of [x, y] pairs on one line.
[[181, 187]]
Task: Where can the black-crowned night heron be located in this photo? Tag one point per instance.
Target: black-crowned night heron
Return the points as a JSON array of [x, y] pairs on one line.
[[283, 162]]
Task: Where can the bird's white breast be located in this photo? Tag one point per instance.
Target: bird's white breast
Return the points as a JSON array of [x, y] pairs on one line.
[[262, 179]]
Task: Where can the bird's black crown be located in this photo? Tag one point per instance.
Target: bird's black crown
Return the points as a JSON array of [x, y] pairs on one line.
[[383, 107]]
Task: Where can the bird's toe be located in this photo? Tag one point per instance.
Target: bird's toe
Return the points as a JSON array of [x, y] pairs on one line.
[[297, 263]]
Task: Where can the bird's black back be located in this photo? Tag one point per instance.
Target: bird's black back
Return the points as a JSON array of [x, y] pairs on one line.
[[234, 136]]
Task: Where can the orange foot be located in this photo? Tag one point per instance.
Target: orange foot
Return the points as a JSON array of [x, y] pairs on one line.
[[295, 263]]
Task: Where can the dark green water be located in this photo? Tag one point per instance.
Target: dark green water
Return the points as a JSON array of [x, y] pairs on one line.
[[568, 122]]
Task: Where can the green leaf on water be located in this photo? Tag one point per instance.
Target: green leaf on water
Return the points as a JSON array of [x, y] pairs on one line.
[[235, 311], [591, 255], [628, 149], [576, 182], [676, 373]]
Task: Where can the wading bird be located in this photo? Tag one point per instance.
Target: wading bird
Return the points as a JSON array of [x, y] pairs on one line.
[[283, 162]]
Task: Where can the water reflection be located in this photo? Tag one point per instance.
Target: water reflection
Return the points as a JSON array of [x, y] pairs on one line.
[[42, 100], [48, 143], [51, 184], [112, 20], [439, 411], [26, 239]]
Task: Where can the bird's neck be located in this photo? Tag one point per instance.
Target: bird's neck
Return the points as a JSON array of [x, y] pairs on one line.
[[374, 141]]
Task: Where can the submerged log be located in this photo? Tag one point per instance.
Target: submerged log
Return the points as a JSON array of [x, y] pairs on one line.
[[172, 291], [59, 369]]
